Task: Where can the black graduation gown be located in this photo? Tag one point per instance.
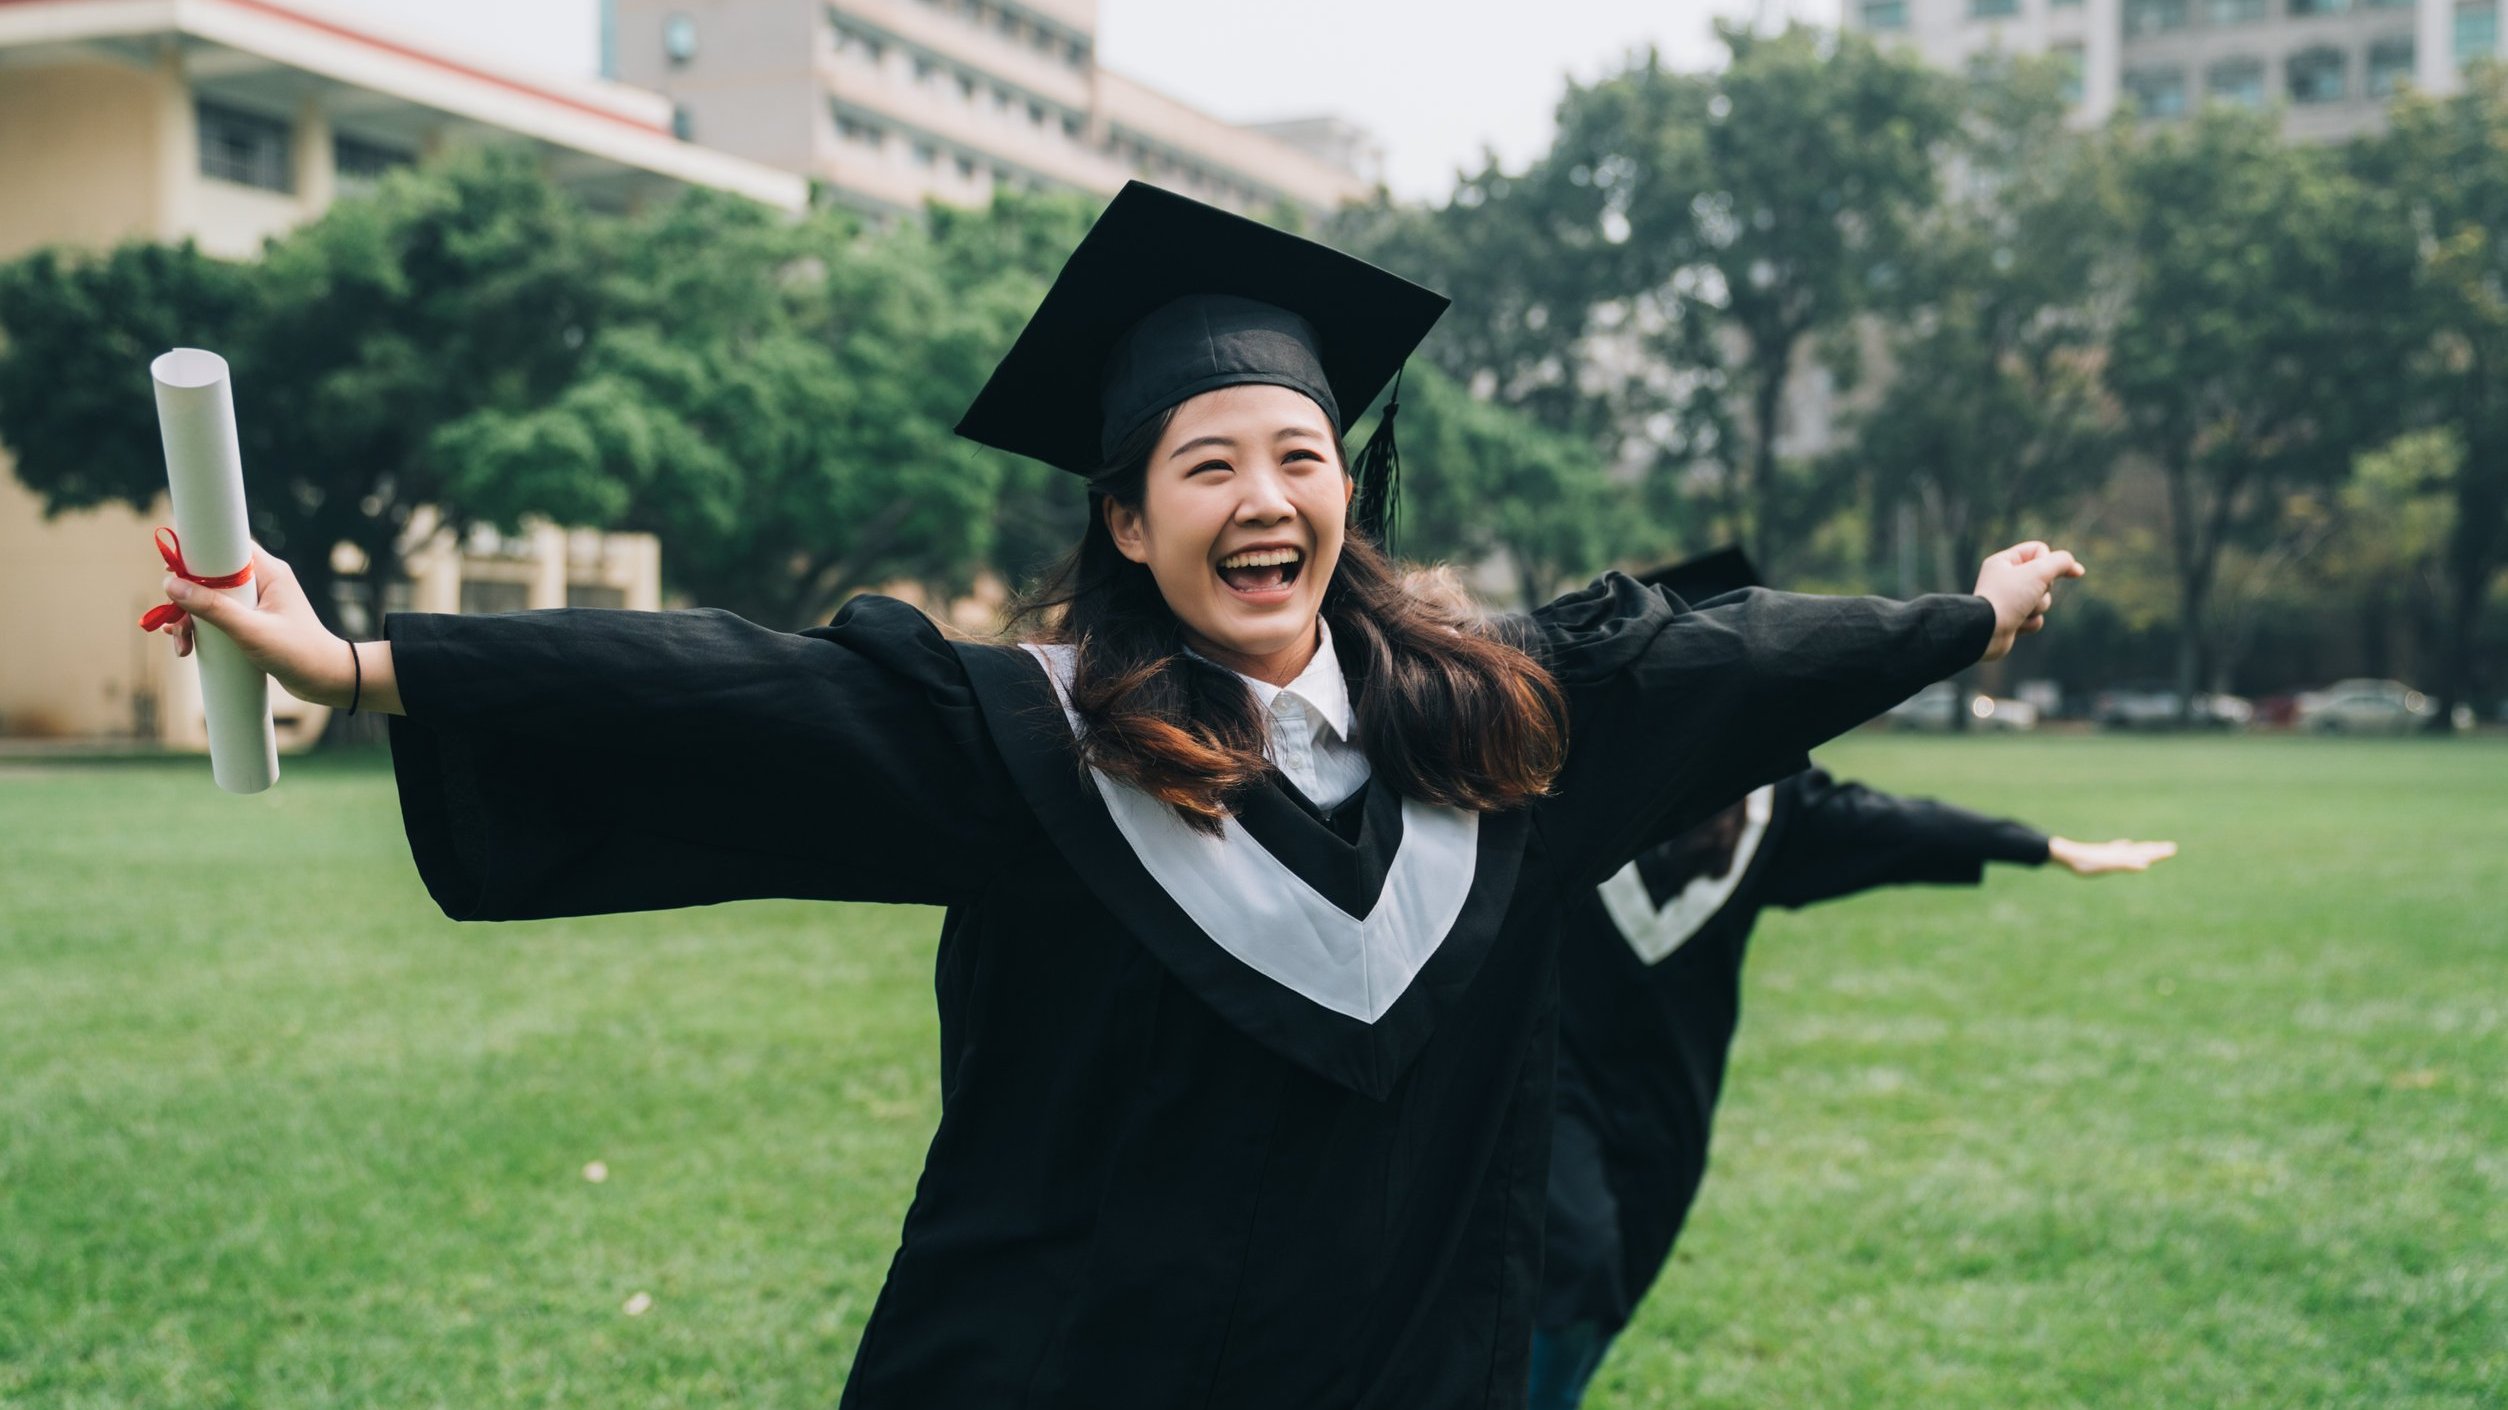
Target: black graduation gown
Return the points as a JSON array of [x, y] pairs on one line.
[[1647, 1013], [1162, 1177]]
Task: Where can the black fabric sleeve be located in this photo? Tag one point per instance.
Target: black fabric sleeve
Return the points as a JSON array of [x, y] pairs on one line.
[[1676, 713], [1846, 838], [581, 762]]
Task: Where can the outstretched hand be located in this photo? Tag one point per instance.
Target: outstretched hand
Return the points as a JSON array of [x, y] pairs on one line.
[[279, 633], [2100, 858], [2020, 582]]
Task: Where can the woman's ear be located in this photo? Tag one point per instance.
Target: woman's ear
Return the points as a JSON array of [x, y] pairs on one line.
[[1123, 524]]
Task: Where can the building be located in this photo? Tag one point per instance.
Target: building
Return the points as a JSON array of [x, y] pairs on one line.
[[2330, 65], [225, 122], [892, 103]]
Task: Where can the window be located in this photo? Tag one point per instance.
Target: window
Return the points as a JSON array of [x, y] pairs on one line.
[[2238, 81], [2154, 16], [2157, 92], [966, 86], [1992, 9], [2318, 76], [926, 155], [1885, 14], [925, 70], [966, 168], [2301, 9], [245, 148], [2235, 11], [683, 123], [2067, 4], [488, 595], [854, 129], [2390, 65], [360, 163], [2477, 32], [679, 40], [2070, 56], [1077, 55], [1071, 126], [595, 595]]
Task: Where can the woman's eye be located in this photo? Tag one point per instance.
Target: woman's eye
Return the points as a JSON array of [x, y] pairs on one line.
[[1206, 465]]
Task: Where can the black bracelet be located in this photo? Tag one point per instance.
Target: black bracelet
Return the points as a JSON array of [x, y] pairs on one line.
[[357, 664]]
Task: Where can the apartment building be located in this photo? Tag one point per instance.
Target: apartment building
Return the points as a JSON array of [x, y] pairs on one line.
[[226, 122], [2331, 66], [892, 103]]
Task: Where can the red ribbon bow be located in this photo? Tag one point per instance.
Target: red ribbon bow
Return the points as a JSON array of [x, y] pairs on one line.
[[166, 613]]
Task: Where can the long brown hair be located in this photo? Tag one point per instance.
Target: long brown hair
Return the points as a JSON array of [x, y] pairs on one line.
[[1447, 712]]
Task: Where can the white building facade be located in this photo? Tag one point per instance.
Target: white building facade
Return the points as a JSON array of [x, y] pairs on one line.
[[892, 103], [2331, 66]]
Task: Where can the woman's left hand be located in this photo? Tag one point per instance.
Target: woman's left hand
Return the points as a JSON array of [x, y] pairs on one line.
[[2100, 858]]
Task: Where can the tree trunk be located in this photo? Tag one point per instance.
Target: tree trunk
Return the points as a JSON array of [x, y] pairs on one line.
[[1961, 546], [2473, 559], [1767, 407]]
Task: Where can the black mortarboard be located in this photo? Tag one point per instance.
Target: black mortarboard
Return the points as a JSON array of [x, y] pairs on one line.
[[1168, 298], [1709, 575]]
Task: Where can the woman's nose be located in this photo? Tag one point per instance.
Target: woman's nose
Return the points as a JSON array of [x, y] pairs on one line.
[[1266, 500]]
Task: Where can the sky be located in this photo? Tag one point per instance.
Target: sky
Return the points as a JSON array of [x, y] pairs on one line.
[[1437, 81]]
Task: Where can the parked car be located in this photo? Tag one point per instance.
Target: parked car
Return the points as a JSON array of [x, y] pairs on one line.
[[2366, 707], [1930, 710], [2154, 705]]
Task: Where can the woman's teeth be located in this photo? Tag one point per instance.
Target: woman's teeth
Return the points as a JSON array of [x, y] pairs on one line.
[[1261, 558], [1261, 569]]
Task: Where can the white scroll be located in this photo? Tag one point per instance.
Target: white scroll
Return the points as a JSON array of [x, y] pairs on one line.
[[204, 473]]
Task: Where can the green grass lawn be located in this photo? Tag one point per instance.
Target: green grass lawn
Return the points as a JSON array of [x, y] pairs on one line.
[[274, 1133]]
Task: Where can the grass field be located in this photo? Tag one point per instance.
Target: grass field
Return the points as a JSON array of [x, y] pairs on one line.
[[275, 1134]]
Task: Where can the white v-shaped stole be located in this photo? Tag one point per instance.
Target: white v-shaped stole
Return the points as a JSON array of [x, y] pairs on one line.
[[1256, 908], [1653, 933]]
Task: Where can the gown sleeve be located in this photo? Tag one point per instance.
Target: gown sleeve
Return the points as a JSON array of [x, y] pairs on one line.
[[582, 762], [1846, 838], [1675, 713]]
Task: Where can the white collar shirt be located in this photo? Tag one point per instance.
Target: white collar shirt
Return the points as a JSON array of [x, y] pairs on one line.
[[1313, 739]]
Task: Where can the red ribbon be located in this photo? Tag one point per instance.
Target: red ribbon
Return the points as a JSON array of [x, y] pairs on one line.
[[166, 613]]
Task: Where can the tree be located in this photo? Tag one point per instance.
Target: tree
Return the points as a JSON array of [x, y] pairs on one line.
[[1000, 259], [76, 337], [2257, 348], [773, 399], [2447, 160], [1479, 480], [1992, 409], [1736, 217]]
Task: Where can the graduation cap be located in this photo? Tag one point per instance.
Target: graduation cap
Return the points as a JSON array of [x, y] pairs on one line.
[[1709, 575], [1168, 298]]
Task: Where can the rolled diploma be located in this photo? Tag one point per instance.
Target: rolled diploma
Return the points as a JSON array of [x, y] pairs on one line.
[[204, 474]]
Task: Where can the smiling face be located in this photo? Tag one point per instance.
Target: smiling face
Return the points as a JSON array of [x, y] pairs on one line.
[[1240, 523]]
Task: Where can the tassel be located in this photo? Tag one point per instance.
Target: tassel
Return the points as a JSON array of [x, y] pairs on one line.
[[1378, 471]]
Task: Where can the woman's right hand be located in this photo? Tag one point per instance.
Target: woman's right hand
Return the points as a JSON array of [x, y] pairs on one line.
[[280, 633], [2020, 582]]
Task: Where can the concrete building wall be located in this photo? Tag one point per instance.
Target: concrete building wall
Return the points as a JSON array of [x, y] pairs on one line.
[[2168, 57], [903, 101], [71, 140]]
